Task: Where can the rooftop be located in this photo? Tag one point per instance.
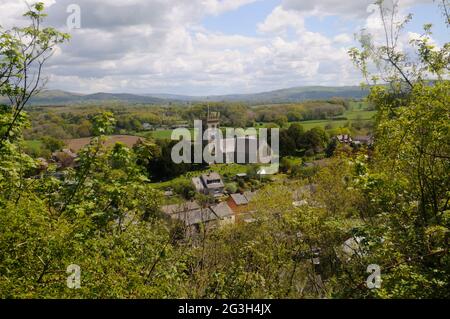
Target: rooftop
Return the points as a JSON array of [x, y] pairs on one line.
[[195, 217], [239, 199], [212, 180], [243, 199], [222, 210], [179, 208]]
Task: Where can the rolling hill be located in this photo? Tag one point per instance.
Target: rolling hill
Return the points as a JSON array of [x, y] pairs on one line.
[[297, 94], [56, 97]]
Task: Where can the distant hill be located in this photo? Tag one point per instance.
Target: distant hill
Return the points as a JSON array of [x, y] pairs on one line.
[[56, 97], [297, 94]]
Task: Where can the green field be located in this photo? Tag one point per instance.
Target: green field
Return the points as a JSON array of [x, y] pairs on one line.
[[229, 170], [365, 116], [358, 112], [164, 134], [33, 145]]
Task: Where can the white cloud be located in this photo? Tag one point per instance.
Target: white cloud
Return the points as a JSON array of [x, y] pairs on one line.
[[280, 20], [349, 9], [343, 38], [144, 46]]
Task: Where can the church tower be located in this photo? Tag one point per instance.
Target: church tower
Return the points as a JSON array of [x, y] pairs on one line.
[[212, 122], [211, 126]]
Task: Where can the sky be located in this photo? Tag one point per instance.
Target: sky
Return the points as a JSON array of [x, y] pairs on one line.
[[211, 47]]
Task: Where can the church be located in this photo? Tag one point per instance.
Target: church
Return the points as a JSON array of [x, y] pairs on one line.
[[234, 145]]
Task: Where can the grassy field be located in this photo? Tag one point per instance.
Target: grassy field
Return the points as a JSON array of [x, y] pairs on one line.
[[78, 143], [357, 112], [33, 145], [226, 170], [363, 116], [355, 115], [351, 116], [164, 134]]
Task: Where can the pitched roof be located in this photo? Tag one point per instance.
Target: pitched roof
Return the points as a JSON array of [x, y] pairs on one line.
[[222, 210], [211, 176], [197, 216], [239, 199], [345, 138], [243, 199], [212, 180], [179, 208], [364, 139], [249, 195]]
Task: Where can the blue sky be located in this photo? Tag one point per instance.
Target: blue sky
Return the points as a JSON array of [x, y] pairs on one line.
[[208, 47], [245, 20]]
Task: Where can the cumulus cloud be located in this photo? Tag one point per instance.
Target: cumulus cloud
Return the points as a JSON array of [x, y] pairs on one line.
[[349, 9], [149, 46], [281, 19]]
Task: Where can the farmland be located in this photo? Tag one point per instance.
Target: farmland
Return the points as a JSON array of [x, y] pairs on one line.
[[78, 143]]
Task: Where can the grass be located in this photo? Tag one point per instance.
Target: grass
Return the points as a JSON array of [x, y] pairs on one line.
[[357, 112], [354, 115], [33, 145], [161, 135], [165, 134], [223, 169]]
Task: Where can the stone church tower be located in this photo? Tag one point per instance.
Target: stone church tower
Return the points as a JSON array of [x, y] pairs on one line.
[[212, 122]]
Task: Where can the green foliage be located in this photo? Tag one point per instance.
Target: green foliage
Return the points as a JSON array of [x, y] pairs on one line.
[[52, 143], [186, 189], [103, 124], [406, 187], [23, 52], [295, 140], [231, 188], [104, 215]]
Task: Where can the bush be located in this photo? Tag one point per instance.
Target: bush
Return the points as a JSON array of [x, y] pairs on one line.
[[53, 144], [185, 189], [231, 188]]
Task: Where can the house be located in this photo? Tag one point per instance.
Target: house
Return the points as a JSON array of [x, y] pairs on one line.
[[345, 139], [179, 208], [363, 140], [195, 217], [147, 127], [239, 201], [209, 184], [64, 159], [224, 212], [192, 215], [241, 176]]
